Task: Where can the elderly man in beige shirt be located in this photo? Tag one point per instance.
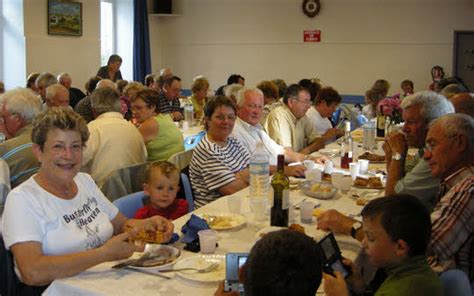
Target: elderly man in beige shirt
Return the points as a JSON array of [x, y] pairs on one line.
[[289, 126]]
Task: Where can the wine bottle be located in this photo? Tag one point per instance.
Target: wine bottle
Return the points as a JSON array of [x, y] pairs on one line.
[[381, 124], [347, 147], [281, 195]]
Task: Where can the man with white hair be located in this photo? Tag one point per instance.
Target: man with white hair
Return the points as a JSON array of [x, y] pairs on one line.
[[449, 152], [19, 107], [249, 132], [42, 82], [56, 96], [419, 110], [75, 94], [114, 142]]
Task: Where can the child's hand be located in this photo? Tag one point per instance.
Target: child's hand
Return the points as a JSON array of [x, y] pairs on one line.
[[335, 286]]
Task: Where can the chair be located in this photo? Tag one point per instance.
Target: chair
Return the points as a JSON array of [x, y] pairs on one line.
[[455, 283], [129, 204], [182, 160], [8, 278], [192, 141], [4, 181], [124, 181], [188, 191]]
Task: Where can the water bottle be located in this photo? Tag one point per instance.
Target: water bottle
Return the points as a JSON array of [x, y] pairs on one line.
[[368, 139], [2, 138], [259, 173], [189, 113]]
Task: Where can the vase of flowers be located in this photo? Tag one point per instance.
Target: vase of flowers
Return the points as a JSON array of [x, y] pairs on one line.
[[392, 110]]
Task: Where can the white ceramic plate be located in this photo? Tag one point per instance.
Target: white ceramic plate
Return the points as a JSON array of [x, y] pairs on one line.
[[330, 152], [224, 221], [261, 233], [169, 256], [202, 261]]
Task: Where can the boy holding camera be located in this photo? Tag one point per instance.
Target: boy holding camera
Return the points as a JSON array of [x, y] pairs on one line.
[[397, 230]]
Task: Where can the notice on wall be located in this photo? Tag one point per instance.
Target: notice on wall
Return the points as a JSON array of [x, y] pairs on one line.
[[312, 35]]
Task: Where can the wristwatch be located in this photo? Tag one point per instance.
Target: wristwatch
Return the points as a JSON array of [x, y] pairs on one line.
[[355, 227], [397, 156]]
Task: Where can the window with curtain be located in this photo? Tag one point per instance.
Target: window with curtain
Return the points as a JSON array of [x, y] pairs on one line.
[[107, 30]]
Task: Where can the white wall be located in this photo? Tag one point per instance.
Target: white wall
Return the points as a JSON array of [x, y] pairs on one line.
[[79, 56], [362, 40]]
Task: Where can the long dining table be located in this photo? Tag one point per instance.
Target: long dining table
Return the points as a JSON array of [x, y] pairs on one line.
[[104, 280]]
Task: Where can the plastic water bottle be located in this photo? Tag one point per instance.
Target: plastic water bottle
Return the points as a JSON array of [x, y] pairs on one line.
[[2, 138], [368, 139], [189, 113], [259, 173]]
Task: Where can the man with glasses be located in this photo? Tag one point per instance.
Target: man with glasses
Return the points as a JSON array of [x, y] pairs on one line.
[[169, 98], [289, 126], [450, 155], [18, 108]]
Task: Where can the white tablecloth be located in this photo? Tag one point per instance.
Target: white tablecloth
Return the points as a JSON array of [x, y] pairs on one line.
[[102, 280]]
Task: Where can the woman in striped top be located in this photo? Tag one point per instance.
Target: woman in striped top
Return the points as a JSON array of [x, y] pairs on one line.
[[219, 163]]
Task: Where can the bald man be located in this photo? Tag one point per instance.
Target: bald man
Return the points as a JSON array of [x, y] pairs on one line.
[[463, 103], [56, 96]]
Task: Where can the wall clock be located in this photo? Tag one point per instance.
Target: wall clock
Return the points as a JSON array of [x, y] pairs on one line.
[[311, 7]]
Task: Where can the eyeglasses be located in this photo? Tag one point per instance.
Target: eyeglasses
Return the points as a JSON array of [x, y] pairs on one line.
[[223, 117], [307, 103], [429, 147]]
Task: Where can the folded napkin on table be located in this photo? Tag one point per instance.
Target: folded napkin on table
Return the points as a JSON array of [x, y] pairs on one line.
[[190, 231]]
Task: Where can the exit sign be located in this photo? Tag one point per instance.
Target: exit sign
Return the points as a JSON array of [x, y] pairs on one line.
[[312, 35]]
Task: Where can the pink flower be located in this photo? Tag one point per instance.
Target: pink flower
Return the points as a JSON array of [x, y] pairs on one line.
[[389, 105]]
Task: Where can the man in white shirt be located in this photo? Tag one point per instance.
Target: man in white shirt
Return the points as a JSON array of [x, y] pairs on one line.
[[249, 132], [114, 143], [289, 126], [325, 105]]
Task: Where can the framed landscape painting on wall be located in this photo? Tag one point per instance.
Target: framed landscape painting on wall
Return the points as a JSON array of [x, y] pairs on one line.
[[64, 18]]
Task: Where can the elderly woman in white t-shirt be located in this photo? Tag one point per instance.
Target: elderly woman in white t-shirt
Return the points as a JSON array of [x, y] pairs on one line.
[[58, 223]]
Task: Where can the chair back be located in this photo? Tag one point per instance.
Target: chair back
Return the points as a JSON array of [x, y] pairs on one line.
[[129, 204], [8, 279], [188, 191], [192, 141], [4, 181], [181, 159], [124, 181], [455, 283]]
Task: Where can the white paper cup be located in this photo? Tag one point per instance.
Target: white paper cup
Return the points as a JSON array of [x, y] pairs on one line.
[[328, 166], [234, 202], [185, 125], [337, 180], [207, 241], [314, 175], [258, 207], [309, 164], [363, 166], [354, 169], [306, 212]]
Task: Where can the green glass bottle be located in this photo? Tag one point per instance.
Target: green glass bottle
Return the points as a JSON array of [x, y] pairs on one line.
[[281, 195]]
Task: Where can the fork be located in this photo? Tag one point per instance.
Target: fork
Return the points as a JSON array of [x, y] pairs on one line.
[[198, 270]]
